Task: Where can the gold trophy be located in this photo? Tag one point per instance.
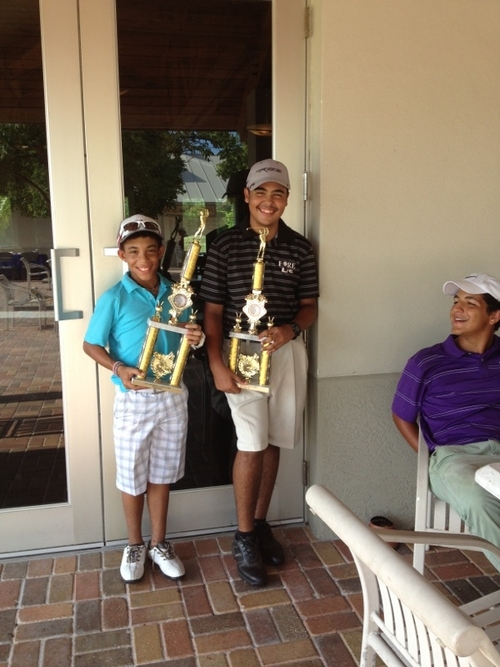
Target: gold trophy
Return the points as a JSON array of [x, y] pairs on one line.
[[172, 364], [247, 357]]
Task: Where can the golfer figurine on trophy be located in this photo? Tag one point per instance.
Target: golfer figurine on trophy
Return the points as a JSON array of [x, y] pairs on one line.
[[172, 364], [247, 357]]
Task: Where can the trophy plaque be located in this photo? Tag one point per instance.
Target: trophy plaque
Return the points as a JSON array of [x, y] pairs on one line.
[[247, 357], [167, 369]]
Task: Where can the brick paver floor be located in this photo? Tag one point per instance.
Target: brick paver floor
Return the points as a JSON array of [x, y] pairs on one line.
[[73, 609]]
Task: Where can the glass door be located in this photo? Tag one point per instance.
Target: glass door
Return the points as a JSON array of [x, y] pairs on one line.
[[84, 84], [50, 492], [204, 89]]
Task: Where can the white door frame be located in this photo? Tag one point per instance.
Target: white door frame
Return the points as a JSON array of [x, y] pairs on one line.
[[79, 522], [196, 510]]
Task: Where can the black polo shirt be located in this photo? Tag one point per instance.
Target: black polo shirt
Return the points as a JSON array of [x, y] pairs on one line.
[[290, 273]]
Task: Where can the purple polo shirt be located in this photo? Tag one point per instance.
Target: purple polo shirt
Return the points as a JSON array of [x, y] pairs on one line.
[[455, 394]]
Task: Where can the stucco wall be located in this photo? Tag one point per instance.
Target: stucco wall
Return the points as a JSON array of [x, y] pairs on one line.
[[359, 456], [404, 138]]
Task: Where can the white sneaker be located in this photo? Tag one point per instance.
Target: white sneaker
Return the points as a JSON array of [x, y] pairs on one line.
[[132, 567], [163, 555]]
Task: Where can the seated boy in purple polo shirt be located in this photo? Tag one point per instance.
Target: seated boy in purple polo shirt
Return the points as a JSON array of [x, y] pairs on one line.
[[453, 390]]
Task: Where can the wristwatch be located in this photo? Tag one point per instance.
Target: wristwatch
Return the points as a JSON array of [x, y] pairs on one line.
[[296, 329]]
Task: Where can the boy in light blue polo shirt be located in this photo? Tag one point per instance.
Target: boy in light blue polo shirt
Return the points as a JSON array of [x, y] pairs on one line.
[[150, 427]]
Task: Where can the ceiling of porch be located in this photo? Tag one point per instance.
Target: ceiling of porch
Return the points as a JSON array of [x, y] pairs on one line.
[[194, 65]]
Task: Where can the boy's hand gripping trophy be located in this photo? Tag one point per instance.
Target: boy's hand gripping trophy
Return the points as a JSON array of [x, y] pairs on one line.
[[255, 362], [172, 364]]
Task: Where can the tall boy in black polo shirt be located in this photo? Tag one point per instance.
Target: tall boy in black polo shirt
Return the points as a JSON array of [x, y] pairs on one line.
[[263, 423]]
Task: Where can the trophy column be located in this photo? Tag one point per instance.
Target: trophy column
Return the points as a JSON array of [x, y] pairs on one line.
[[246, 355], [174, 363]]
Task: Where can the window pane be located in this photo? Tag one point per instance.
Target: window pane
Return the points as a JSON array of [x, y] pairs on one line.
[[32, 455], [194, 77]]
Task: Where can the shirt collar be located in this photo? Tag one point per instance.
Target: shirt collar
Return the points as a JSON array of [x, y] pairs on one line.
[[130, 285], [453, 350], [284, 234]]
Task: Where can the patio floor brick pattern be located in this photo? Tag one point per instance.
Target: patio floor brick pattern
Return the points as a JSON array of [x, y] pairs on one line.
[[73, 610]]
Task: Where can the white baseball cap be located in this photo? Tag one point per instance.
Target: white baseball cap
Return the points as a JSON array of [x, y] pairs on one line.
[[135, 224], [268, 171], [476, 283]]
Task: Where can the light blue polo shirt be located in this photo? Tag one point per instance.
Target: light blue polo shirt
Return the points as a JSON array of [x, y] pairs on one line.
[[119, 322]]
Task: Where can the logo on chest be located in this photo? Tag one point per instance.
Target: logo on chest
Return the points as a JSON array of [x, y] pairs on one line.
[[287, 267]]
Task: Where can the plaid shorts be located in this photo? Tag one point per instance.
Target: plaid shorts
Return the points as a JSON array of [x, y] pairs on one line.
[[150, 430]]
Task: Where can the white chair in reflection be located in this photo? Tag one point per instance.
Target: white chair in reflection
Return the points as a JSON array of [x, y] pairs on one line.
[[407, 621], [36, 272], [7, 264], [18, 299]]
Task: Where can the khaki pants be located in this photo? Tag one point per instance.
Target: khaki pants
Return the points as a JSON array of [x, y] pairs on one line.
[[451, 478]]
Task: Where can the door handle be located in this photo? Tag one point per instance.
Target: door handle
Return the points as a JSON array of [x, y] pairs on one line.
[[55, 259]]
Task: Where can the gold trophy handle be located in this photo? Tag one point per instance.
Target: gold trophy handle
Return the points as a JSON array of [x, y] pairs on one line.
[[180, 364], [148, 346], [233, 354], [182, 357], [265, 358]]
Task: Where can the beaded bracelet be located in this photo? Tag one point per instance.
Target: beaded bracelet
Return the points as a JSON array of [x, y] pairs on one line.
[[201, 343], [116, 366]]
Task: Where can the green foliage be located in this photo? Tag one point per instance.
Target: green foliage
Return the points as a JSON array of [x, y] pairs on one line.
[[225, 214], [24, 176], [5, 211], [152, 165], [233, 154], [152, 168], [191, 219], [5, 220], [227, 145]]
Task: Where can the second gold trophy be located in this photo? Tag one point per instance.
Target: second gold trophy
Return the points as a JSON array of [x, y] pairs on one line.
[[247, 357]]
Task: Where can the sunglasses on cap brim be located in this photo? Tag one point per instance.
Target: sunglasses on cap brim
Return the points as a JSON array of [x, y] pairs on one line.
[[126, 228]]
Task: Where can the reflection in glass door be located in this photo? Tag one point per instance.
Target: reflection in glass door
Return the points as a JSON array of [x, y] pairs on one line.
[[32, 453], [192, 76], [195, 97]]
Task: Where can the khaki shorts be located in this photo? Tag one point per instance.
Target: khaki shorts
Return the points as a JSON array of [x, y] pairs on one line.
[[275, 418]]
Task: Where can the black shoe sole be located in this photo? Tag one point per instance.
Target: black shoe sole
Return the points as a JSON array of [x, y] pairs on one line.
[[272, 561], [251, 582]]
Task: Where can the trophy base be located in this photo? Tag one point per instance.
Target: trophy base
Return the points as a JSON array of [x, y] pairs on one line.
[[254, 387], [245, 336], [157, 386]]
